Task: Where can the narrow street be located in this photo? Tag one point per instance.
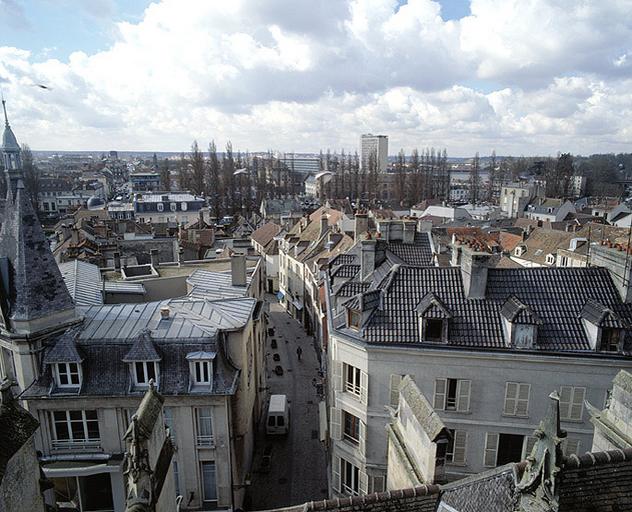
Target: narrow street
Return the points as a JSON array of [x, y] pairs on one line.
[[297, 469]]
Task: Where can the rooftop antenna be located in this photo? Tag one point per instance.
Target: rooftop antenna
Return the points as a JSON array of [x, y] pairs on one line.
[[4, 108]]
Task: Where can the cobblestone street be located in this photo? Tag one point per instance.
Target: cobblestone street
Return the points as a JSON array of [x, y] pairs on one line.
[[297, 470]]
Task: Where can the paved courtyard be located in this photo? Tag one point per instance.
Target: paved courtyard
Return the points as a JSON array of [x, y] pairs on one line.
[[297, 471]]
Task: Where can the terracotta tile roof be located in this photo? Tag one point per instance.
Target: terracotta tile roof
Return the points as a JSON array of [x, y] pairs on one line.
[[264, 235]]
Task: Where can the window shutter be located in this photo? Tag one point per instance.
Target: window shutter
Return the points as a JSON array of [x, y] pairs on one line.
[[439, 394], [522, 404], [565, 401], [335, 429], [338, 376], [491, 449], [363, 486], [571, 446], [463, 395], [511, 395], [362, 437], [529, 443], [396, 380], [364, 388], [460, 443], [378, 484], [336, 474], [577, 403]]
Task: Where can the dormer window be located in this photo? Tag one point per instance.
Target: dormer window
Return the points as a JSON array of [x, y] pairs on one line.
[[433, 319], [520, 323], [519, 250], [604, 329], [65, 362], [160, 207], [183, 206], [143, 360], [201, 369], [173, 206], [68, 375], [354, 319], [145, 371], [550, 259]]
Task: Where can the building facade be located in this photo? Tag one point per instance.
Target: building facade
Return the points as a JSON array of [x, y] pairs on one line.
[[376, 145]]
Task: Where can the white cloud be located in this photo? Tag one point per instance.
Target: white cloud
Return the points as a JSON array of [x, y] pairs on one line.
[[300, 75]]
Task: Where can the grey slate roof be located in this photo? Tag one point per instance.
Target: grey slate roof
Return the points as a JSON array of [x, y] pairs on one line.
[[216, 284], [516, 311], [142, 350], [110, 332], [36, 288], [556, 296], [65, 350]]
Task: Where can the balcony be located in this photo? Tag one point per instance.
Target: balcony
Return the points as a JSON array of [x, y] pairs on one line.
[[205, 441], [76, 445]]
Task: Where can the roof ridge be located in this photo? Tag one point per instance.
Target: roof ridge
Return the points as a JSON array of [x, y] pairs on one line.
[[592, 459]]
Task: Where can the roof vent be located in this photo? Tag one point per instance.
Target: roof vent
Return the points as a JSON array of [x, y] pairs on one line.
[[165, 312]]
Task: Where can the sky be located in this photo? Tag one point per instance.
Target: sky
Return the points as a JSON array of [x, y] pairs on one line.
[[521, 77]]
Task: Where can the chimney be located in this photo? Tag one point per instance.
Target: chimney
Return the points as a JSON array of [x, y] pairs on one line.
[[117, 261], [384, 227], [324, 224], [367, 257], [201, 219], [410, 226], [153, 254], [238, 270], [474, 272], [361, 225], [164, 312]]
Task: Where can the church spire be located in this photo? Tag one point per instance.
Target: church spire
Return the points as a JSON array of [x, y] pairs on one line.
[[11, 155]]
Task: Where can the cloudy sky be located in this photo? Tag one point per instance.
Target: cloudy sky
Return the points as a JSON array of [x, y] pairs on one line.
[[518, 76]]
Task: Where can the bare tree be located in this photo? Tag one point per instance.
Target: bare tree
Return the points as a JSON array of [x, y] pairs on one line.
[[213, 182], [475, 180], [197, 169], [165, 176], [32, 183]]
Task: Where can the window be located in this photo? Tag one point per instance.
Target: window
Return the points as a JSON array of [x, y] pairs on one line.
[[455, 450], [502, 449], [183, 206], [352, 428], [160, 207], [75, 427], [517, 399], [610, 339], [572, 403], [550, 259], [176, 477], [209, 485], [434, 329], [352, 381], [144, 371], [68, 375], [452, 395], [570, 446], [350, 478], [355, 319], [204, 426], [202, 372], [173, 207]]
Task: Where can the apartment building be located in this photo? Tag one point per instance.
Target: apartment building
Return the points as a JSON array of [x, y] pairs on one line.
[[82, 370], [486, 347], [374, 146]]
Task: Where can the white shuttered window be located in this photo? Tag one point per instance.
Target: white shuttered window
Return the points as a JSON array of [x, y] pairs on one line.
[[572, 403], [517, 399], [491, 449]]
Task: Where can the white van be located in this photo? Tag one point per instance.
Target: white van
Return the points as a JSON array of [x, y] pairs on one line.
[[278, 415]]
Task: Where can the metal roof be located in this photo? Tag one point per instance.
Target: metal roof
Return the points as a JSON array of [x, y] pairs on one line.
[[83, 281], [215, 285]]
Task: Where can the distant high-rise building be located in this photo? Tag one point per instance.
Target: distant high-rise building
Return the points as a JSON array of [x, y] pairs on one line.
[[377, 144]]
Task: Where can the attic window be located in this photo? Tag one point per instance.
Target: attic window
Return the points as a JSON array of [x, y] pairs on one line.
[[519, 250], [68, 375], [433, 330], [550, 259], [610, 339], [145, 371], [201, 368], [354, 318], [160, 207]]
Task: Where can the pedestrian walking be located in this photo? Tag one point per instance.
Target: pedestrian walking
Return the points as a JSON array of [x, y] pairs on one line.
[[299, 352]]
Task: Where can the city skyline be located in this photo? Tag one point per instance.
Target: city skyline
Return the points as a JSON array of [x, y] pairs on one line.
[[519, 77]]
